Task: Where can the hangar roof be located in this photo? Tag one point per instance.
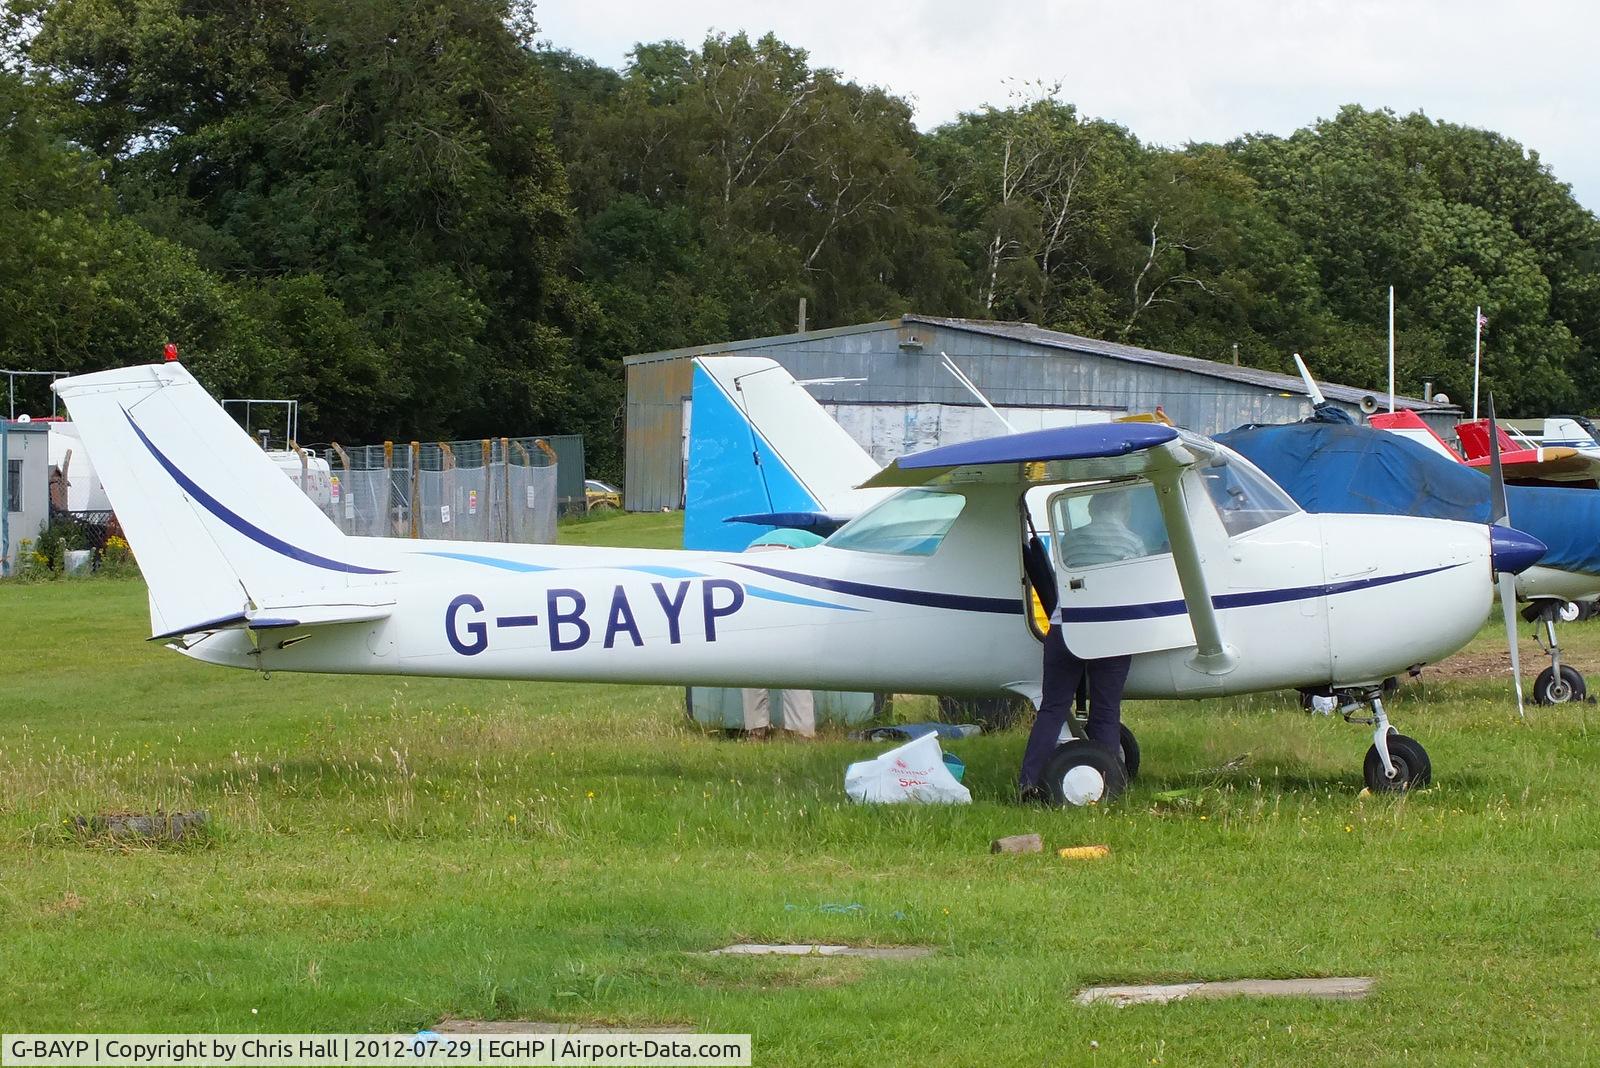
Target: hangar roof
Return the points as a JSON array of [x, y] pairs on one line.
[[1029, 334]]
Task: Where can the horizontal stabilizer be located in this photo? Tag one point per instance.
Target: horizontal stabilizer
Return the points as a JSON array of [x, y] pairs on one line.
[[820, 522], [317, 615]]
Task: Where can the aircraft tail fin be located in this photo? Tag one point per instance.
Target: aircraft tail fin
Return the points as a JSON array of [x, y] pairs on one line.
[[218, 531], [759, 444], [1474, 435]]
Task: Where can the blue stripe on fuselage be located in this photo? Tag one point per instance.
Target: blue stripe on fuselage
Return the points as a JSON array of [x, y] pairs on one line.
[[1160, 609], [957, 601], [239, 522]]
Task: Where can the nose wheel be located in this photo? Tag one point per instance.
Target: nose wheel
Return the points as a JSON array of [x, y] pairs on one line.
[[1554, 687], [1408, 760], [1394, 762], [1558, 683]]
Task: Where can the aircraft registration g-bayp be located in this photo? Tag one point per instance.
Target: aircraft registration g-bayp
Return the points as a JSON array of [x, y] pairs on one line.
[[1239, 591]]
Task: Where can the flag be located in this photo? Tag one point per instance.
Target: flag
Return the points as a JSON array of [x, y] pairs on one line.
[[1483, 321]]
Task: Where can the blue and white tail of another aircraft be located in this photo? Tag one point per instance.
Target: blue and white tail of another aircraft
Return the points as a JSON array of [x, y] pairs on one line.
[[761, 447], [1236, 590]]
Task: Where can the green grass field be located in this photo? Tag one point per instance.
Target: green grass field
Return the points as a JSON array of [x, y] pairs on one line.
[[385, 854]]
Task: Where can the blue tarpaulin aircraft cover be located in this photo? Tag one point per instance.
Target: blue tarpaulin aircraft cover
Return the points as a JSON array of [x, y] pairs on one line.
[[1052, 443], [1330, 468]]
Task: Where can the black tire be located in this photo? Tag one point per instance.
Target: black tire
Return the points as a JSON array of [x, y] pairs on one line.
[[1130, 753], [1548, 691], [991, 713], [1412, 767], [1096, 776]]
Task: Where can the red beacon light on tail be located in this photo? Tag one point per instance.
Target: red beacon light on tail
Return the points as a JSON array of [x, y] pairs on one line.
[[170, 352]]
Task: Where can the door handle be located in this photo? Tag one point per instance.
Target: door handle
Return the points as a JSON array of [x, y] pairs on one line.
[[1074, 583]]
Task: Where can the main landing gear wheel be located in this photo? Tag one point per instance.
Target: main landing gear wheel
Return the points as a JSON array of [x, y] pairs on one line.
[[1130, 754], [1412, 768], [1551, 689], [1128, 744], [1082, 773]]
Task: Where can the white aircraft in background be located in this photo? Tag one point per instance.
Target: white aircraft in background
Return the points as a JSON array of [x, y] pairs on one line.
[[1240, 591]]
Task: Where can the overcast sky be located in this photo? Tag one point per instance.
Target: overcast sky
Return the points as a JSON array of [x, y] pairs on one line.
[[1202, 70]]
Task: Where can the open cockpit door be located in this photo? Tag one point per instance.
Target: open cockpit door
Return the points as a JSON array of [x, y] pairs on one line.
[[1119, 588]]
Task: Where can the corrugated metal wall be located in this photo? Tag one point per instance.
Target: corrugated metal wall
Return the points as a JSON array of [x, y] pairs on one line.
[[654, 445], [1011, 372]]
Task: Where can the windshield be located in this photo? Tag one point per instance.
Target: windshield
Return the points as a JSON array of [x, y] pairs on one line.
[[1245, 498], [911, 523]]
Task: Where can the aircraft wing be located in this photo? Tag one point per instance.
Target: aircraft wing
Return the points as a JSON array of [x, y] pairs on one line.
[[1556, 463], [1056, 454]]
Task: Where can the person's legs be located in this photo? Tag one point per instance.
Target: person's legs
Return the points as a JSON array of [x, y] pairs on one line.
[[1061, 673], [800, 713], [1107, 677], [757, 710]]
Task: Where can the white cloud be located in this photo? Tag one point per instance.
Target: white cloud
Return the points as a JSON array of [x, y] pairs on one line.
[[1172, 71]]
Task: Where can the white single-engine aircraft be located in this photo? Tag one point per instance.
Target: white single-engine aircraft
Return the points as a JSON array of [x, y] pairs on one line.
[[1239, 591]]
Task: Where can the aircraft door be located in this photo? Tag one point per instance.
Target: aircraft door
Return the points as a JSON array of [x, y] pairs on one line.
[[1119, 589]]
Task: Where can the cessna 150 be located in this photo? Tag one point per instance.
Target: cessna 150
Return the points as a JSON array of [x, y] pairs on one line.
[[1239, 590]]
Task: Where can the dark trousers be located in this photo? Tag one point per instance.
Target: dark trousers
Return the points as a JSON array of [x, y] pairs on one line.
[[1062, 673]]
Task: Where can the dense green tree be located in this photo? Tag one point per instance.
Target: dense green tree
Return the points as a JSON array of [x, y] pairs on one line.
[[715, 187], [393, 157], [1041, 198], [1454, 218], [85, 288], [403, 214]]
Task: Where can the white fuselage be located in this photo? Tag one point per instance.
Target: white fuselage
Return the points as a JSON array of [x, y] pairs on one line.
[[1307, 600]]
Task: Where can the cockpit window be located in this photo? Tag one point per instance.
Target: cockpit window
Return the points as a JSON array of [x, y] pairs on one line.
[[911, 523], [1245, 498]]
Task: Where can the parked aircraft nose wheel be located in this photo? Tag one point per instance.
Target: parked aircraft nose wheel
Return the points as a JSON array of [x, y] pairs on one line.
[[1412, 769], [1082, 773], [1551, 689]]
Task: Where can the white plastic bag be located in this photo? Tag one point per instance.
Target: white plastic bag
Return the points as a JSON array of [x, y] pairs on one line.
[[911, 772]]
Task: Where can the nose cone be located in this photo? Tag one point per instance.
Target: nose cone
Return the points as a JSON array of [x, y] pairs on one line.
[[1512, 551]]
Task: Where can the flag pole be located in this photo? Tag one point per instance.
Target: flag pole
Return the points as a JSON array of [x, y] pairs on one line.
[[1477, 356], [1391, 350]]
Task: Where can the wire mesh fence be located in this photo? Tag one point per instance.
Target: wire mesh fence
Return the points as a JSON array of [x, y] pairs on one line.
[[496, 489]]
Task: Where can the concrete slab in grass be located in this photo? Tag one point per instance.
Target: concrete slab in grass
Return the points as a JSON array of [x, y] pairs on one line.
[[863, 952], [1335, 988]]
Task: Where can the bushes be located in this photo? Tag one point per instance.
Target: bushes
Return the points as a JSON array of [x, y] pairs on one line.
[[45, 558]]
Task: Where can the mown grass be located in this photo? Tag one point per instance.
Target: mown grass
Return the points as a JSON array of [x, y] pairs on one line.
[[384, 854]]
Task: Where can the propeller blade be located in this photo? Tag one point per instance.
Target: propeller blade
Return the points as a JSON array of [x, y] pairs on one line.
[[1508, 604], [1311, 383], [1499, 513]]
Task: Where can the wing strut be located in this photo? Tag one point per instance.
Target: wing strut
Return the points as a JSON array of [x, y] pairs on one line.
[[1214, 656]]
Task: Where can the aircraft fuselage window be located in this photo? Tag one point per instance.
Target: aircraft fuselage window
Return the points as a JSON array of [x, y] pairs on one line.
[[1245, 498], [911, 523], [1102, 526]]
